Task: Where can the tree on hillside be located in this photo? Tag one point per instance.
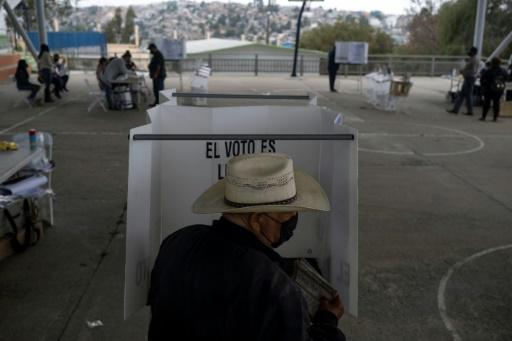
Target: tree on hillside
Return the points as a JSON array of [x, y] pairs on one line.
[[114, 28], [53, 9], [423, 32], [129, 25], [323, 37], [449, 28], [456, 26]]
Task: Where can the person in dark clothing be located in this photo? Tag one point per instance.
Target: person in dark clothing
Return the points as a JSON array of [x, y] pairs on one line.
[[493, 83], [130, 65], [23, 80], [332, 68], [469, 72], [156, 72], [225, 281]]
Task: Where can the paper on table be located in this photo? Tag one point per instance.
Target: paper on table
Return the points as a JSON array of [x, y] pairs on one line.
[[26, 186]]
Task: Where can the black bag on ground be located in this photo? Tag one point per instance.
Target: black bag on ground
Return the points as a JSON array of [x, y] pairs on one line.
[[28, 221]]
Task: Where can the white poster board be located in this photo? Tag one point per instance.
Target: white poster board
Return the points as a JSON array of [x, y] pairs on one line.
[[165, 178], [351, 52], [172, 49]]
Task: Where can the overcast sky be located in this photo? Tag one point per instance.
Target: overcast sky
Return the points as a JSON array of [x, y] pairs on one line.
[[389, 6]]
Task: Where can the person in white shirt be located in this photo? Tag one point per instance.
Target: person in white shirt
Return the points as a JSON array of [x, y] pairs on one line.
[[115, 68]]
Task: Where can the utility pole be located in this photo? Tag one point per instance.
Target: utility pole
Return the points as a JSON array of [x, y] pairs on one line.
[[478, 40], [297, 39], [41, 22]]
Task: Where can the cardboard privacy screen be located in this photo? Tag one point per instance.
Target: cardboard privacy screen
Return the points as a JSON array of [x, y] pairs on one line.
[[166, 176]]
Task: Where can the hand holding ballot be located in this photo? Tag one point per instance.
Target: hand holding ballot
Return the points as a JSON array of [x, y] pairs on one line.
[[334, 306]]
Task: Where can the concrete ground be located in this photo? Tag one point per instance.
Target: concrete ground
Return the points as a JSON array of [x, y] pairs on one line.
[[435, 190]]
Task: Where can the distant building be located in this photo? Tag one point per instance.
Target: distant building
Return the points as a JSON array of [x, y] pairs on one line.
[[258, 3]]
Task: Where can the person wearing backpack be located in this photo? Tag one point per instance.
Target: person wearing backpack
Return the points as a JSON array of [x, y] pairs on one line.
[[493, 82]]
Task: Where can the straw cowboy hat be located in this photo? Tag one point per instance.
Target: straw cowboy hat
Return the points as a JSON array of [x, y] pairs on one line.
[[262, 183]]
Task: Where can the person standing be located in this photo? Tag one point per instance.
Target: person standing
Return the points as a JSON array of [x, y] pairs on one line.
[[469, 73], [44, 65], [493, 83], [332, 68], [156, 72]]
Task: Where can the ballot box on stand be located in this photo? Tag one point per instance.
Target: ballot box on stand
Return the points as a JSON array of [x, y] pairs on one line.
[[184, 150]]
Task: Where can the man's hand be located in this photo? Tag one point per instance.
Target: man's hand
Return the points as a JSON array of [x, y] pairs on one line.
[[334, 306]]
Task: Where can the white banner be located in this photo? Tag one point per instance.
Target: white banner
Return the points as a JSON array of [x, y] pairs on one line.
[[166, 177], [172, 49]]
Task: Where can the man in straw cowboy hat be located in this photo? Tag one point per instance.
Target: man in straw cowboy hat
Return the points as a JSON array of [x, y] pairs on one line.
[[225, 281]]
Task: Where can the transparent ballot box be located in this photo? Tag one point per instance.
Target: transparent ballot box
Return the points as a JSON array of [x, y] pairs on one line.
[[184, 150]]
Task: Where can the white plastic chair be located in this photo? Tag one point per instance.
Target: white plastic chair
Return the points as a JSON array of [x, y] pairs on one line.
[[97, 96], [44, 140]]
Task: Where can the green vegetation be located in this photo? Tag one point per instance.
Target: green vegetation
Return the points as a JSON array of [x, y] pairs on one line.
[[449, 28], [323, 37], [4, 42], [116, 32]]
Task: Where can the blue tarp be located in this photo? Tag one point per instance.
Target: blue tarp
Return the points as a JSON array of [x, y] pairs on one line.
[[72, 40]]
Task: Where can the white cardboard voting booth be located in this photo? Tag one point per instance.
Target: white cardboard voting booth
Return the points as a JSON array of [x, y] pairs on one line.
[[351, 52], [184, 150]]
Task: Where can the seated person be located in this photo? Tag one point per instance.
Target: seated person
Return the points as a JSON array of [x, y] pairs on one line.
[[56, 78], [100, 68], [130, 65], [61, 70], [23, 80], [115, 68]]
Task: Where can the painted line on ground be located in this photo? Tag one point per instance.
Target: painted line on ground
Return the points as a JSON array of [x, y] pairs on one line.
[[380, 151], [36, 116], [347, 116], [480, 146], [441, 302]]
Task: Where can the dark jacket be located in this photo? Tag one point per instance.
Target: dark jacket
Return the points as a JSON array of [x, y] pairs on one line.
[[332, 66], [221, 283], [22, 78], [156, 61], [493, 80]]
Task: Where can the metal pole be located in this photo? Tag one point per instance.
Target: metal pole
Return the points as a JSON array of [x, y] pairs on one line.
[[41, 22], [503, 45], [20, 30], [256, 66], [297, 39], [478, 40], [302, 65]]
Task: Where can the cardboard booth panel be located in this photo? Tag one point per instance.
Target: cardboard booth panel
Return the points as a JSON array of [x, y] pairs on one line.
[[166, 181]]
